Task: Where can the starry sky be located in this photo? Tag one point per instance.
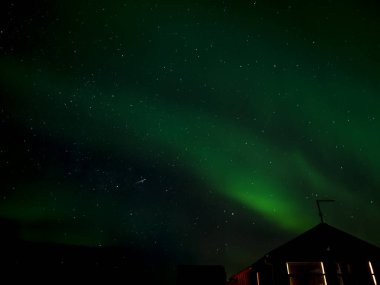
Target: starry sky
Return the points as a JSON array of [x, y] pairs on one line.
[[203, 131]]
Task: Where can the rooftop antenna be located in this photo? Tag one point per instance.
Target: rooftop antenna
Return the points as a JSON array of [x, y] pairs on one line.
[[319, 208]]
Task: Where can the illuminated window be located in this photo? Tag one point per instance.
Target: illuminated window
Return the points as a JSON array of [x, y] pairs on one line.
[[258, 278], [372, 273], [339, 273], [306, 273], [343, 273]]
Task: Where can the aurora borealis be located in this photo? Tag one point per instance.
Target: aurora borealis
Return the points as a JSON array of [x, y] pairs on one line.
[[201, 130]]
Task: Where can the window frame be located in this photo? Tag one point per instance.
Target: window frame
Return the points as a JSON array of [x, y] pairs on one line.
[[372, 272], [321, 274]]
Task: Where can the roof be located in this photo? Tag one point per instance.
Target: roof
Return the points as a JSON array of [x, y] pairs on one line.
[[324, 241]]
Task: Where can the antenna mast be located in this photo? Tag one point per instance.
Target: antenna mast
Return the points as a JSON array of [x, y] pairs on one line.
[[319, 208]]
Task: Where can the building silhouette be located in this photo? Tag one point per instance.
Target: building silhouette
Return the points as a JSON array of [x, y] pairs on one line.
[[322, 255]]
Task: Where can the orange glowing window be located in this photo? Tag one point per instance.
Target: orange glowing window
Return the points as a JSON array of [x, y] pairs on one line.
[[372, 273], [311, 273]]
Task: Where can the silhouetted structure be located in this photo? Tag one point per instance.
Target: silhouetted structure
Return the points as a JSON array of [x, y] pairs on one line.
[[201, 274], [323, 255]]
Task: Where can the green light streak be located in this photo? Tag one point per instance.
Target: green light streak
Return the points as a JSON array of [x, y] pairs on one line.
[[241, 147]]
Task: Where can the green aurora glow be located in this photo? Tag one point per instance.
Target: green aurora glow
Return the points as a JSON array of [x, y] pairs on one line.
[[239, 115]]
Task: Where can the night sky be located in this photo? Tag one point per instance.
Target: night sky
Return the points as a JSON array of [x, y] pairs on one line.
[[202, 131]]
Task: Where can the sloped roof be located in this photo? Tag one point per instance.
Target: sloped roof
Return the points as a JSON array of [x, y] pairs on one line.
[[324, 241]]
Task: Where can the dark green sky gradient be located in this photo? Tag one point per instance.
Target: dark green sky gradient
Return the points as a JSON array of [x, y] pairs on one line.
[[239, 115]]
